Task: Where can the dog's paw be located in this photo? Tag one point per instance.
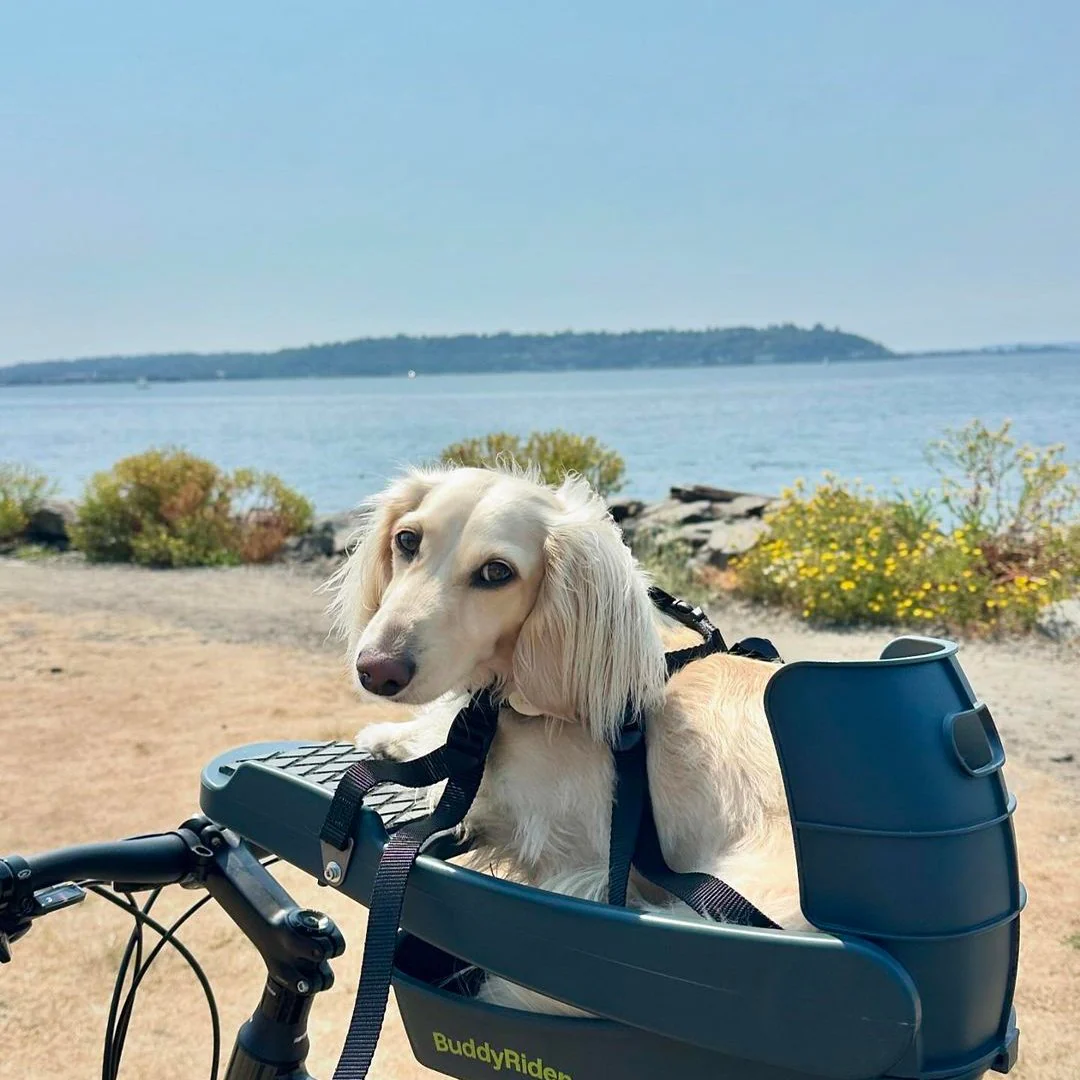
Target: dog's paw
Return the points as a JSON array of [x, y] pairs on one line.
[[386, 742]]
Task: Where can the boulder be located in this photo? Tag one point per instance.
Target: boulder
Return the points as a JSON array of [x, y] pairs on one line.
[[342, 526], [727, 539], [50, 524], [713, 523], [695, 535], [623, 510], [672, 513], [744, 506], [328, 537], [704, 492], [316, 543], [1061, 621]]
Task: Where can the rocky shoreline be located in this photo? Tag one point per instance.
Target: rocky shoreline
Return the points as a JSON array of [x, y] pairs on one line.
[[707, 526], [712, 524]]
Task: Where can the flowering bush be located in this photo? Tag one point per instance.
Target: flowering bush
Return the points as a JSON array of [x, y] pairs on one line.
[[170, 508], [841, 553]]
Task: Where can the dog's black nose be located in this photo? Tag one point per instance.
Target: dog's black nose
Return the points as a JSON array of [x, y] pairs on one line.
[[384, 675]]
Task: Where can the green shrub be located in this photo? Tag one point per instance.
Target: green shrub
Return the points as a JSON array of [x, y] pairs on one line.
[[170, 508], [553, 453], [668, 562], [841, 553], [22, 491], [267, 512]]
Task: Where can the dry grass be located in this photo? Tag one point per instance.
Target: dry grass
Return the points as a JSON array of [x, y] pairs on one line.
[[109, 745], [105, 722]]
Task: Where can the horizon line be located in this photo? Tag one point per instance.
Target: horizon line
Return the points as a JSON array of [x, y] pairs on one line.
[[1015, 346]]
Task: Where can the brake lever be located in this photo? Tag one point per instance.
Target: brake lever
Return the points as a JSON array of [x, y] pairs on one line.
[[20, 904]]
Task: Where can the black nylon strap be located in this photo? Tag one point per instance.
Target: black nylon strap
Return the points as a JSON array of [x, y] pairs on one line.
[[693, 618], [705, 894], [384, 918], [626, 807], [466, 745], [469, 739], [756, 648], [634, 841]]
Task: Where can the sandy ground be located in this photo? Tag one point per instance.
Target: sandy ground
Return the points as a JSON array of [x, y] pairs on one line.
[[102, 669]]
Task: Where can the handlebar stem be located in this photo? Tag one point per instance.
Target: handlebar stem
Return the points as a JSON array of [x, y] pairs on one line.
[[295, 943]]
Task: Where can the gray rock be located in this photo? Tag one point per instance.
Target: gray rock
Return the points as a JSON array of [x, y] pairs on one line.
[[50, 524], [730, 538], [329, 536], [672, 513], [316, 543], [744, 506], [699, 492], [623, 510], [341, 527], [1061, 621], [695, 535], [342, 540]]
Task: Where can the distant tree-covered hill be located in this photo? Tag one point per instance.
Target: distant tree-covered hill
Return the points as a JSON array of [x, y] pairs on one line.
[[784, 344]]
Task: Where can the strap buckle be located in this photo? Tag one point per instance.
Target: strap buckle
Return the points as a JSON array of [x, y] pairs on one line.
[[685, 608], [757, 648]]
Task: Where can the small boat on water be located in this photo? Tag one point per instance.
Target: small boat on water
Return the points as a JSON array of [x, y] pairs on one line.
[[412, 374], [142, 383]]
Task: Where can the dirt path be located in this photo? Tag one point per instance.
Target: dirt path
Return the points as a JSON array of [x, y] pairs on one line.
[[116, 686], [1033, 687]]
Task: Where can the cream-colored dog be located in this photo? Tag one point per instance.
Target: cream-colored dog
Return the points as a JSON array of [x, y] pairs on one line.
[[465, 577]]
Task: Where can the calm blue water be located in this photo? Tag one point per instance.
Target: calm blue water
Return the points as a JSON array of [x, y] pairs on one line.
[[757, 429]]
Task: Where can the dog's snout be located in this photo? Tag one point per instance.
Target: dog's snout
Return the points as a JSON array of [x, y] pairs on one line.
[[384, 675]]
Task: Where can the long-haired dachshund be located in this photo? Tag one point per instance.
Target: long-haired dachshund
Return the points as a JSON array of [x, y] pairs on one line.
[[463, 578]]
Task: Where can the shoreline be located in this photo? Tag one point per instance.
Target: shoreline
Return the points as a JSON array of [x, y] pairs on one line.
[[146, 381]]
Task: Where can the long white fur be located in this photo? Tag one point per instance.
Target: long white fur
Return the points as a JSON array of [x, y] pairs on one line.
[[568, 643]]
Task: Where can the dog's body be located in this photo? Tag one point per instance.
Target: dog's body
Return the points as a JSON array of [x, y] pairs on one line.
[[566, 628]]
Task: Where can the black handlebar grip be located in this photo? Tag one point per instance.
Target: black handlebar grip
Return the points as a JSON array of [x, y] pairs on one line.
[[162, 859]]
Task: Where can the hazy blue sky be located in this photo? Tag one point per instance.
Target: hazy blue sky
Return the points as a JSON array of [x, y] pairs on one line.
[[253, 175]]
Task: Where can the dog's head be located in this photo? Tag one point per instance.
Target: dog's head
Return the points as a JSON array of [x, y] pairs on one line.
[[467, 577]]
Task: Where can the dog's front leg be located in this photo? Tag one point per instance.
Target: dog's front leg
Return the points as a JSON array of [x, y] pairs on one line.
[[407, 739]]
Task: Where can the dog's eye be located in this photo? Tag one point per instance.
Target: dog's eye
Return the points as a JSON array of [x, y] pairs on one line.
[[408, 542], [495, 572]]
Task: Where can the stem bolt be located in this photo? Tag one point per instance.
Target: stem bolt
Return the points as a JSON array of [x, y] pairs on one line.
[[302, 986], [332, 873]]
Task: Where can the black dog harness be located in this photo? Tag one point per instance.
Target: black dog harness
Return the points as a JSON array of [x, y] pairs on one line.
[[460, 761]]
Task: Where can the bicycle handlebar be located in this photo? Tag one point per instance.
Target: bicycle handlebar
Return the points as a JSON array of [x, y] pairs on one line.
[[295, 943], [160, 859]]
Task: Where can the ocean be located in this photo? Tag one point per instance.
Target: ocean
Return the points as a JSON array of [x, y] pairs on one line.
[[750, 428]]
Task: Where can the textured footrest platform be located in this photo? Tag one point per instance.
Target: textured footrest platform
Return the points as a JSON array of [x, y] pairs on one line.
[[323, 764]]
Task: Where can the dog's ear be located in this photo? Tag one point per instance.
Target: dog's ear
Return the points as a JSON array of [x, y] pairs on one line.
[[591, 642], [357, 588]]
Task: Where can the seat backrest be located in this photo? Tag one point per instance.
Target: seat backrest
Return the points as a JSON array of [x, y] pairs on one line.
[[904, 837]]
